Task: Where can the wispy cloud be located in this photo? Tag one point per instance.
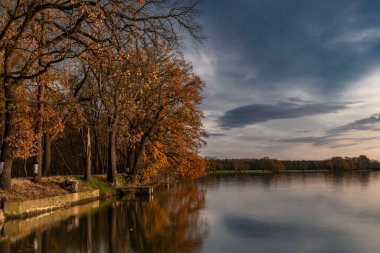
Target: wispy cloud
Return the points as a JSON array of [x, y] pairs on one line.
[[329, 141], [216, 134], [371, 124], [358, 38], [335, 138]]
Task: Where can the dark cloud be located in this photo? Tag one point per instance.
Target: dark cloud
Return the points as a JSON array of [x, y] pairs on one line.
[[371, 123], [333, 138], [321, 45], [262, 51], [303, 132], [216, 134], [316, 141], [298, 100], [257, 113], [330, 141]]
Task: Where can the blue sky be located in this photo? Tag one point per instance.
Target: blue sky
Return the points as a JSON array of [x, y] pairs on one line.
[[290, 79]]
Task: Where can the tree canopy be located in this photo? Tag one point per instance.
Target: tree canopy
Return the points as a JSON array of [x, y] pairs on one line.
[[101, 87]]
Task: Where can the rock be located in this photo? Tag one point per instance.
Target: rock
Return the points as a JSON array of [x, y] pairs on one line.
[[70, 185]]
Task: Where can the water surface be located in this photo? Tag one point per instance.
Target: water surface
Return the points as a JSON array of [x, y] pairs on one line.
[[299, 212], [304, 212]]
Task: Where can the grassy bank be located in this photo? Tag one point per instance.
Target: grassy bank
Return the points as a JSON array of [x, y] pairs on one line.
[[26, 189], [99, 182]]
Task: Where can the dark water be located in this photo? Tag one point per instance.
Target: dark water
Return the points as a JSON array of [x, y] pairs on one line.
[[304, 212]]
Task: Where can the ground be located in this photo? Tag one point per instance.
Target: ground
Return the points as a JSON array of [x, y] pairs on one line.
[[25, 189]]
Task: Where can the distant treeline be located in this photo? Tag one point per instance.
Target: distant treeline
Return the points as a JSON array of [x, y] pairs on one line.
[[335, 163]]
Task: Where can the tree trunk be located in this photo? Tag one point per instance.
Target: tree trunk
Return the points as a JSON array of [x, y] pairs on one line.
[[87, 173], [130, 159], [100, 167], [47, 154], [138, 159], [111, 173], [39, 132], [9, 132], [106, 153], [25, 169], [96, 157]]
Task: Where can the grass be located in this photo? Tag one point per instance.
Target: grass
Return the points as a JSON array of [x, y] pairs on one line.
[[26, 189], [104, 187], [220, 172], [99, 182]]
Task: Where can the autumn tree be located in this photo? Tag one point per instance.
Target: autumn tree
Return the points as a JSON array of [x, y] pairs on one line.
[[363, 163], [113, 76], [35, 35], [166, 123], [149, 97]]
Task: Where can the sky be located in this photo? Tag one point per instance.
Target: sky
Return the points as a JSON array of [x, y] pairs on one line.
[[290, 79]]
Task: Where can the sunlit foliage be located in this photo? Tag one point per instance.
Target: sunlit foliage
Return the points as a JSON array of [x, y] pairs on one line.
[[101, 76]]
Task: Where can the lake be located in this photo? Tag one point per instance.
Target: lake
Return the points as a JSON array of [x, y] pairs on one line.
[[289, 212]]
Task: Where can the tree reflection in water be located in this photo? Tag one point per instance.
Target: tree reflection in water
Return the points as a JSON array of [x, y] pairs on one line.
[[271, 180], [170, 222]]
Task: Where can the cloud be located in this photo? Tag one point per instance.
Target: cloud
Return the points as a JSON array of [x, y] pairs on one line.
[[359, 38], [257, 113], [333, 137], [370, 124], [320, 45], [299, 51], [216, 134], [329, 140]]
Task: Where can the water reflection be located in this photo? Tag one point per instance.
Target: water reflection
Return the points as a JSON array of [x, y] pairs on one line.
[[300, 212], [168, 223], [287, 213], [272, 180]]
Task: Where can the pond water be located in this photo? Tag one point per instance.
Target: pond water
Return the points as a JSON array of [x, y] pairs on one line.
[[291, 212]]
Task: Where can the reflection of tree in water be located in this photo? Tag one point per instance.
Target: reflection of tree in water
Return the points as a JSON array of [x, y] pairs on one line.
[[271, 180], [349, 178], [170, 222]]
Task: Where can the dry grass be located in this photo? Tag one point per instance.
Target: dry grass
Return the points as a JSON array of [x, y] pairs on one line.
[[24, 189]]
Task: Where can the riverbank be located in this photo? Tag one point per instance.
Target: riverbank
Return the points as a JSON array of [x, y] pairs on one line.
[[26, 189], [29, 198]]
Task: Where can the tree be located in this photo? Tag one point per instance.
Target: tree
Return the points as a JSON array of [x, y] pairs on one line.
[[363, 163], [168, 121], [339, 163], [36, 35]]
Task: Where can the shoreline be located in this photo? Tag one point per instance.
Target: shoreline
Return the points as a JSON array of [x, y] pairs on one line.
[[28, 199], [55, 198]]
